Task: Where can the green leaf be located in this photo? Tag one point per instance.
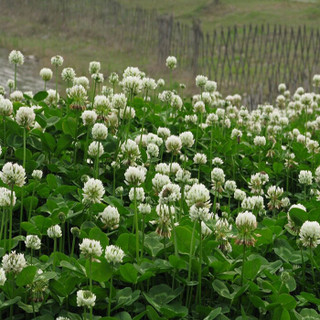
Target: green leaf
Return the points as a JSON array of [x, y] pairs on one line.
[[184, 235], [52, 181], [213, 314], [287, 301], [9, 302], [40, 96], [251, 269], [63, 143], [285, 315], [153, 243], [97, 234], [69, 126], [128, 273], [19, 154], [298, 216], [26, 276], [101, 270], [221, 289], [277, 167]]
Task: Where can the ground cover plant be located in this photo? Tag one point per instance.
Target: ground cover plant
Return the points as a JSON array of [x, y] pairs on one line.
[[123, 199]]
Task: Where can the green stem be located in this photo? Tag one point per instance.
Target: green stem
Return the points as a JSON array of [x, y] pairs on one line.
[[143, 224], [173, 232], [2, 223], [200, 265], [56, 85], [312, 270], [243, 262], [54, 252], [110, 296], [72, 246], [31, 202], [11, 217], [86, 145], [15, 77], [94, 93], [191, 250], [136, 223], [96, 174], [303, 268]]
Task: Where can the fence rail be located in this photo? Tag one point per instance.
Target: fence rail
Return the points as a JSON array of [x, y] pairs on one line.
[[249, 59]]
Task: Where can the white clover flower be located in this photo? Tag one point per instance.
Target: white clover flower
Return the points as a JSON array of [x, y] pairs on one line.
[[16, 96], [144, 208], [217, 161], [131, 85], [16, 57], [101, 102], [160, 83], [89, 117], [236, 134], [135, 176], [162, 168], [140, 195], [78, 93], [37, 174], [253, 203], [205, 230], [200, 158], [198, 195], [13, 262], [33, 242], [94, 148], [159, 181], [305, 177], [99, 131], [282, 87], [201, 81], [148, 84], [230, 186], [93, 191], [5, 197], [54, 232], [46, 74], [176, 102], [170, 193], [110, 217], [187, 139], [114, 254], [239, 195], [246, 221], [6, 107], [90, 248], [153, 150], [85, 298], [199, 107], [171, 62], [113, 78], [62, 318], [199, 213], [68, 75], [173, 144], [259, 141], [82, 81], [217, 174], [129, 151], [25, 117], [10, 84], [310, 234], [94, 67], [119, 101], [132, 72], [210, 86], [57, 61], [51, 98], [13, 174], [183, 176], [3, 277]]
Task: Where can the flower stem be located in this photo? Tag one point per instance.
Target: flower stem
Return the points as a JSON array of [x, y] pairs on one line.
[[174, 232], [11, 217], [191, 250], [136, 223], [110, 296], [243, 262], [200, 265]]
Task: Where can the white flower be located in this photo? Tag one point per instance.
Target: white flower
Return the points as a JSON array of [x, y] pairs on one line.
[[5, 197], [236, 134], [170, 193], [239, 195], [83, 81], [183, 176], [97, 77], [171, 62], [199, 213], [37, 174], [62, 318], [33, 242], [93, 191], [310, 234], [85, 298], [246, 221], [217, 174], [99, 131], [186, 139], [144, 208], [25, 117], [3, 277], [305, 177], [159, 181], [54, 232], [164, 133], [16, 96], [163, 168], [205, 230], [217, 161], [200, 158], [201, 81], [94, 67], [110, 217], [101, 102], [153, 150], [259, 141], [16, 57], [6, 107], [114, 254], [199, 107], [198, 195], [78, 93], [90, 248], [230, 186], [131, 85], [210, 86], [68, 74], [89, 117], [139, 194], [46, 74], [13, 174], [135, 176], [160, 83], [173, 144], [94, 148], [14, 262], [57, 61], [51, 98]]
